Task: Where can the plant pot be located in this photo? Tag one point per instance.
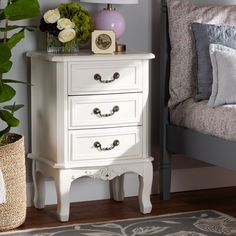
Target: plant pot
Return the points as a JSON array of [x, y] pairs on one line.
[[55, 46], [12, 165]]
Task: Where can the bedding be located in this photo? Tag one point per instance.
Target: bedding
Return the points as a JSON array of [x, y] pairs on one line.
[[224, 75], [220, 121], [204, 35], [183, 55]]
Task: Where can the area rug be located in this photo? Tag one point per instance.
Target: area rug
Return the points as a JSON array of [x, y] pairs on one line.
[[197, 223]]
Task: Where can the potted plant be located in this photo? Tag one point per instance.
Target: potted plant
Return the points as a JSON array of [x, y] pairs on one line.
[[66, 26], [12, 155]]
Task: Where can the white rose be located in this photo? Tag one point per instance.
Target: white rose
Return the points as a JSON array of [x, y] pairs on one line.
[[51, 16], [66, 35], [65, 23]]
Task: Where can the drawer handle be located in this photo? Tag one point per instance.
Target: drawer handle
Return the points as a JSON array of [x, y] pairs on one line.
[[99, 146], [98, 77], [97, 112]]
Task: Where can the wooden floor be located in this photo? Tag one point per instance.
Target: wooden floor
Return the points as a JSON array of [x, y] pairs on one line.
[[223, 200]]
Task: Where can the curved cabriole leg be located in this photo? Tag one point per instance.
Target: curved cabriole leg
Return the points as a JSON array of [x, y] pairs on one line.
[[145, 187], [117, 188], [39, 187], [63, 182]]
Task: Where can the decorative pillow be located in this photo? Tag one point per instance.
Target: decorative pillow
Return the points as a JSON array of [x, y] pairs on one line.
[[205, 34], [224, 75], [183, 56]]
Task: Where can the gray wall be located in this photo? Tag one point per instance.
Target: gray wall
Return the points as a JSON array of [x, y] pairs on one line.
[[142, 34]]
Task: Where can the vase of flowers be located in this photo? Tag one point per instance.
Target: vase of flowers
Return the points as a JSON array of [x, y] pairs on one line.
[[67, 27]]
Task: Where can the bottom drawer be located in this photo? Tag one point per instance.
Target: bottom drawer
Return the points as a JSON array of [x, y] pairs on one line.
[[105, 143]]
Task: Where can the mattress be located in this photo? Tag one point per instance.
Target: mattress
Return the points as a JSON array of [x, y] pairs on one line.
[[220, 121]]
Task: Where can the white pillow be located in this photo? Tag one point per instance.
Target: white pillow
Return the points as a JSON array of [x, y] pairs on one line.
[[223, 60]]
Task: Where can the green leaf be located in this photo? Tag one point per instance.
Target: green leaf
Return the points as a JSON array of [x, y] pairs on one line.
[[5, 53], [15, 38], [3, 132], [13, 107], [13, 27], [6, 81], [9, 118], [31, 28], [9, 28], [22, 9], [5, 66], [7, 93], [2, 15], [1, 85]]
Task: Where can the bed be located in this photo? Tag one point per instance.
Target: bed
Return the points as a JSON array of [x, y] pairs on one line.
[[191, 128]]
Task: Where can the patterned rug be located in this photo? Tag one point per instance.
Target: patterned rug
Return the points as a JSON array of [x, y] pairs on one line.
[[197, 223]]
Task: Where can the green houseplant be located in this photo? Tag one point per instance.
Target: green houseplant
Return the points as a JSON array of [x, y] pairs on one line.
[[12, 155], [14, 10]]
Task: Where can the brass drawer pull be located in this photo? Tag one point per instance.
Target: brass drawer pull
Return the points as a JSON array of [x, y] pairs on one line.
[[99, 146], [98, 112], [98, 77]]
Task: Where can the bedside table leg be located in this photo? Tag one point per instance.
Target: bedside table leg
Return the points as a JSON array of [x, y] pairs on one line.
[[39, 187], [145, 187], [63, 183], [117, 188]]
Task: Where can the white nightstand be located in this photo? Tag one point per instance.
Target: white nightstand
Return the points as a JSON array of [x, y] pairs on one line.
[[90, 117]]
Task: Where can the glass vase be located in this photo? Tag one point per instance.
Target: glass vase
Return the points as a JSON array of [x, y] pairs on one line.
[[55, 46]]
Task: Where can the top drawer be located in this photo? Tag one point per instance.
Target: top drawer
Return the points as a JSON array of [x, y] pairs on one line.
[[100, 77]]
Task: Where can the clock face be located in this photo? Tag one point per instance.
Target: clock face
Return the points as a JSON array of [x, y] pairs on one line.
[[103, 41]]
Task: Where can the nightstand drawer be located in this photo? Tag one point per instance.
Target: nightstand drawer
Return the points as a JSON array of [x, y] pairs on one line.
[[100, 77], [105, 110], [105, 143]]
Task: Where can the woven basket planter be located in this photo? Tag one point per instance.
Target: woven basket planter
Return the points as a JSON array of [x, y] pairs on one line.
[[12, 165]]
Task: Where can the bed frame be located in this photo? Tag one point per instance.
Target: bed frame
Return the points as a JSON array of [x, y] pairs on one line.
[[179, 140]]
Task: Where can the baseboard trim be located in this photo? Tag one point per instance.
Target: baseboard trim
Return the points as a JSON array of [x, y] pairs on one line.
[[85, 189]]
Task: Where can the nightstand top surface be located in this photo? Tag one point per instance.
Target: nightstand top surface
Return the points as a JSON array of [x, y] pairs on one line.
[[87, 55]]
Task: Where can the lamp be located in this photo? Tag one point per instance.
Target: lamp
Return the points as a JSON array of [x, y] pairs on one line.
[[110, 19]]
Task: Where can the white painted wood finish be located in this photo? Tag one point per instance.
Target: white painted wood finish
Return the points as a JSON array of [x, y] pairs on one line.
[[81, 144], [70, 140], [81, 77], [81, 110]]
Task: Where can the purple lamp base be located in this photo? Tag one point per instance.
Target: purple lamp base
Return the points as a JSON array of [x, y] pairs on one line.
[[110, 20]]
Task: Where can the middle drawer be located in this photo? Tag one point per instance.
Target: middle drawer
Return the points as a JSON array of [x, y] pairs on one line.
[[105, 110]]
